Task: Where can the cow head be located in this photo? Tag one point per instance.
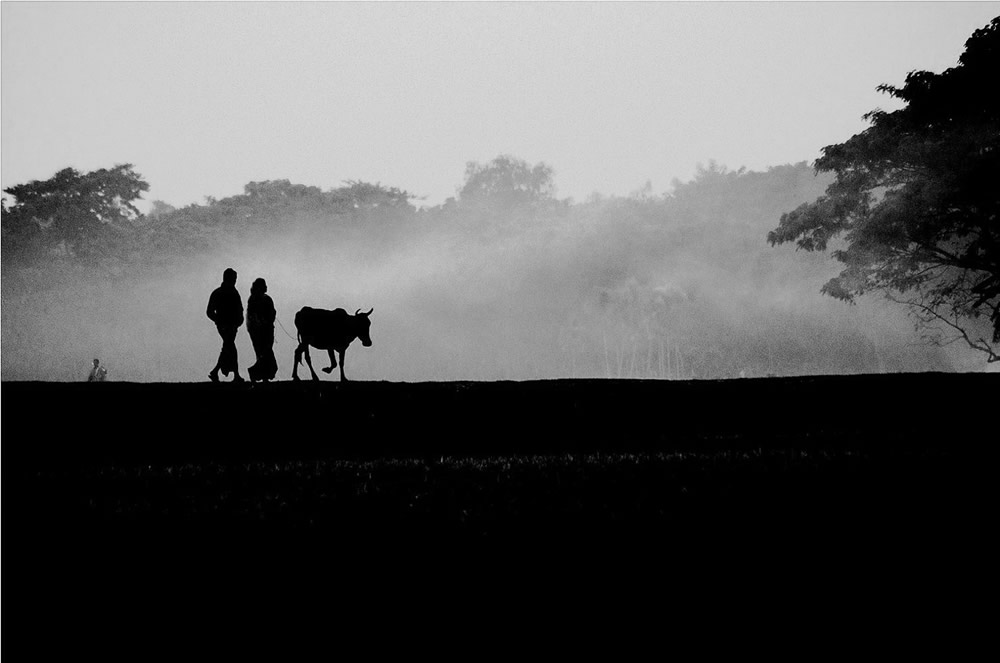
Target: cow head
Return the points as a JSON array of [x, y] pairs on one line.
[[362, 324]]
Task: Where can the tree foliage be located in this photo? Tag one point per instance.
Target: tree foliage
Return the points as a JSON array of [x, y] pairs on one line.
[[507, 183], [271, 196], [365, 196], [265, 207], [917, 197], [84, 217]]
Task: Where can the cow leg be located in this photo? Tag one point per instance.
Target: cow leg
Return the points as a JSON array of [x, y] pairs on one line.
[[343, 378], [333, 363], [310, 363], [295, 364]]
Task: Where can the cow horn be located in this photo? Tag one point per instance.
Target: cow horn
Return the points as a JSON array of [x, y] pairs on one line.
[[358, 311], [370, 311]]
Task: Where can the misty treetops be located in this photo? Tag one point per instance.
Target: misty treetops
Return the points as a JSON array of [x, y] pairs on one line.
[[76, 216], [89, 221], [91, 218]]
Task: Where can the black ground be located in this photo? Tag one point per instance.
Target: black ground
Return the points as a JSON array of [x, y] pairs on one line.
[[639, 459], [863, 473]]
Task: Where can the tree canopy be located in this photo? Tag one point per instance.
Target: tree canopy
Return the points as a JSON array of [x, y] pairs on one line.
[[507, 183], [82, 216], [916, 199]]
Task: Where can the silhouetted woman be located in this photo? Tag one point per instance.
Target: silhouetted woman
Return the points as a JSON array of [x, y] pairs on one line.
[[260, 324]]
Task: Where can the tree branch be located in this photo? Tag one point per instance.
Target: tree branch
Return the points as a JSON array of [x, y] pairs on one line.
[[980, 344]]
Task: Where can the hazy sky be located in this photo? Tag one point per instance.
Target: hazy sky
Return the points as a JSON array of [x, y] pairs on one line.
[[205, 97]]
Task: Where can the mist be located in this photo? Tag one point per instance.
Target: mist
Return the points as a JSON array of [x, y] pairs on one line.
[[679, 285]]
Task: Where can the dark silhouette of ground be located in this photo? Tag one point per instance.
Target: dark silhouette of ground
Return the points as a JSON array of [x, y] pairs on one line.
[[376, 420], [332, 331], [225, 309], [260, 325], [842, 481]]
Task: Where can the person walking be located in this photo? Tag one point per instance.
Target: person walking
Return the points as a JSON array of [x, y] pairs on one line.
[[225, 309], [98, 373], [260, 325]]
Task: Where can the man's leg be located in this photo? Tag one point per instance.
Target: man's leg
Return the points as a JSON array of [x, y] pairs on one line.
[[235, 362], [213, 375], [228, 359]]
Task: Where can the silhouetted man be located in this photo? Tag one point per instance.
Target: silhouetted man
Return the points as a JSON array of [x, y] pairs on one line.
[[260, 324], [225, 309]]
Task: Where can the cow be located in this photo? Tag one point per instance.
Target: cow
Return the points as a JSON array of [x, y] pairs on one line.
[[330, 331]]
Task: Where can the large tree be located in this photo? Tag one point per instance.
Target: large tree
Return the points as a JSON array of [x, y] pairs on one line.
[[84, 217], [916, 200]]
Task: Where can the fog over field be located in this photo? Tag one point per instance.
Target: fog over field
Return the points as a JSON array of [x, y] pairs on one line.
[[329, 161], [667, 286]]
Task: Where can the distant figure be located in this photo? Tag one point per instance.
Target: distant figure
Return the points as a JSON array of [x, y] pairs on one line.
[[225, 309], [98, 373], [329, 330], [260, 324]]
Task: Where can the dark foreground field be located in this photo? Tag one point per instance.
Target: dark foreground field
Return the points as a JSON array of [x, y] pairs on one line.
[[646, 460], [842, 482], [140, 504]]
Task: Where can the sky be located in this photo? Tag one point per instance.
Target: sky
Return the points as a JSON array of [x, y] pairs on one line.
[[204, 97]]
